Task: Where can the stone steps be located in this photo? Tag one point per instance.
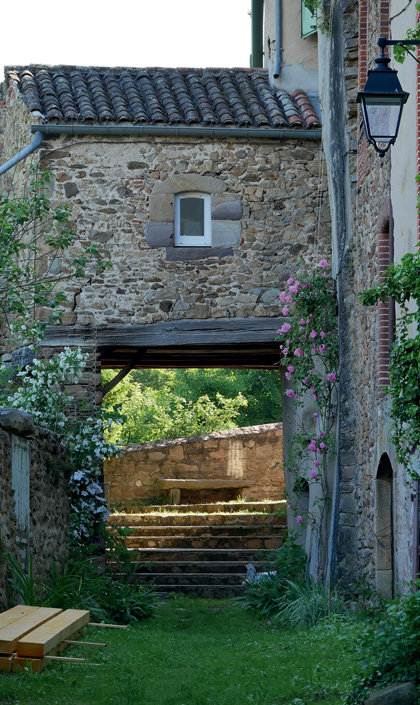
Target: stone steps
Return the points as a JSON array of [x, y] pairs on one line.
[[208, 508], [201, 552]]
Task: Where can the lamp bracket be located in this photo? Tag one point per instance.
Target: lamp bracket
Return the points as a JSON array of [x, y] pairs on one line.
[[405, 43]]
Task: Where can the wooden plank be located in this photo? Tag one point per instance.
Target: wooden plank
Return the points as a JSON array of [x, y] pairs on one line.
[[168, 484], [192, 331], [41, 641], [15, 613], [6, 663], [12, 633]]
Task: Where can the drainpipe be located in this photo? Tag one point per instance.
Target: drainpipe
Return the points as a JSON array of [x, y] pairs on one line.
[[179, 131], [36, 142], [279, 48], [257, 22]]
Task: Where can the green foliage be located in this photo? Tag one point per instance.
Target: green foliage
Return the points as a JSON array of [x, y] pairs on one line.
[[82, 585], [402, 283], [399, 51], [34, 235], [152, 413], [390, 648], [305, 602], [265, 595]]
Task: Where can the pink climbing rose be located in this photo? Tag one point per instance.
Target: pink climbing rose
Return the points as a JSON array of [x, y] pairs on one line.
[[323, 263], [298, 352], [290, 281], [331, 377], [285, 328], [285, 311], [314, 474], [290, 393], [290, 368], [299, 519], [313, 334]]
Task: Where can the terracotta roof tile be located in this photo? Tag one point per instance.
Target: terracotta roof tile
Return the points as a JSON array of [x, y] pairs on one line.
[[219, 97]]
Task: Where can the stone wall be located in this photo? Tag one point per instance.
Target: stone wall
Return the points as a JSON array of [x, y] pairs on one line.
[[250, 453], [265, 215], [46, 536]]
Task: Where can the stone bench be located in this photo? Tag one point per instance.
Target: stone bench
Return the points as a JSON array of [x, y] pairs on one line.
[[174, 486]]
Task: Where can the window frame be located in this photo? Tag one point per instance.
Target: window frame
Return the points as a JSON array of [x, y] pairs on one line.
[[193, 240]]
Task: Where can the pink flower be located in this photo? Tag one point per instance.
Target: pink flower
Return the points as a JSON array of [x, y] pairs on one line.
[[312, 447], [322, 434], [297, 283], [290, 393], [289, 506], [293, 289], [313, 334], [302, 322], [298, 352], [305, 381], [290, 368], [285, 351], [288, 299], [288, 375], [285, 311], [296, 395], [287, 342], [323, 275], [282, 296], [315, 462], [285, 328], [322, 445], [323, 263], [314, 474], [331, 377], [321, 348], [290, 281], [322, 334], [312, 389], [316, 416], [299, 519]]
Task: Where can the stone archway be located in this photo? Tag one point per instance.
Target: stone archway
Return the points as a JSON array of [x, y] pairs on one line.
[[384, 529]]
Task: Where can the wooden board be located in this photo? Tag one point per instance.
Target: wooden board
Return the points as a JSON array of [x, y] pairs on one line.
[[6, 663], [203, 484], [16, 630], [42, 640], [15, 613]]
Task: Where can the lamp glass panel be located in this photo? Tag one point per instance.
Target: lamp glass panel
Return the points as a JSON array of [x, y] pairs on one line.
[[383, 117], [192, 217]]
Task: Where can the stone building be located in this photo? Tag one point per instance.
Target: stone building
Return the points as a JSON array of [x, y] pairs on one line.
[[373, 535]]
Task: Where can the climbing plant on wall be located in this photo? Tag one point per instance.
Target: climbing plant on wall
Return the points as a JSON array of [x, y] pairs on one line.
[[309, 354], [402, 283]]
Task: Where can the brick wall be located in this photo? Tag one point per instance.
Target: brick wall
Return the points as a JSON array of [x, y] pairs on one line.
[[250, 453]]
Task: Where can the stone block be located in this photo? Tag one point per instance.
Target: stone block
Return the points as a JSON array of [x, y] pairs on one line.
[[230, 210], [177, 453], [156, 455], [179, 183], [70, 189], [395, 694], [159, 234], [183, 254], [226, 233], [161, 208], [17, 422]]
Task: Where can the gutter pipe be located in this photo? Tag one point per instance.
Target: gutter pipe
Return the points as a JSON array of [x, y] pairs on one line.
[[179, 131], [36, 142], [415, 569], [279, 48]]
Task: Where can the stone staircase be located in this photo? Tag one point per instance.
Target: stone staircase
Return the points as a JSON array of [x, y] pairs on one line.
[[202, 549]]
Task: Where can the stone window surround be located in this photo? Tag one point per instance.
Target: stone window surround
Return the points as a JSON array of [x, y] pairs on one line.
[[226, 214]]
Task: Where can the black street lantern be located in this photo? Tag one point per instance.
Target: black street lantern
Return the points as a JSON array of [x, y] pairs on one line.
[[382, 101]]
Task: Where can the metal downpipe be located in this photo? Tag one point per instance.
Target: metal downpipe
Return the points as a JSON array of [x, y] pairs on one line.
[[279, 48], [35, 144]]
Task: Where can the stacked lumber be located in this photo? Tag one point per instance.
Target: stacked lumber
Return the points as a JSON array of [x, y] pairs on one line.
[[32, 636]]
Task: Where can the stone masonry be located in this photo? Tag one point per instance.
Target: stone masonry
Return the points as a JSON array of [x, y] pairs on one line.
[[48, 501], [250, 453]]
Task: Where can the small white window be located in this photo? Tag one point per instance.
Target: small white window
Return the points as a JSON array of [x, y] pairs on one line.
[[193, 220]]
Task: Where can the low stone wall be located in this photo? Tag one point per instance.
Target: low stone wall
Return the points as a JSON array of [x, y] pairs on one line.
[[34, 507], [250, 453]]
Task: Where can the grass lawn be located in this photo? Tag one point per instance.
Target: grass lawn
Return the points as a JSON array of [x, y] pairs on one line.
[[197, 652]]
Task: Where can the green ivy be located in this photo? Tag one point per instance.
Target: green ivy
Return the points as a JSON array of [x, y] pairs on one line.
[[401, 282]]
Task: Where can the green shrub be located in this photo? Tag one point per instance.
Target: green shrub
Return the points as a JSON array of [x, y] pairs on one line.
[[390, 648], [306, 602], [82, 585]]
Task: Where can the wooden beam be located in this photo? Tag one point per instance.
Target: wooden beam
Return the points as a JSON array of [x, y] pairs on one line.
[[124, 372], [211, 331]]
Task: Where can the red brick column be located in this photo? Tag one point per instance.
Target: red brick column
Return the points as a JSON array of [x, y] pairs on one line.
[[384, 309]]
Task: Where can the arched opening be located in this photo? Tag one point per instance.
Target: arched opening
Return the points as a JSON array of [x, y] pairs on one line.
[[384, 529]]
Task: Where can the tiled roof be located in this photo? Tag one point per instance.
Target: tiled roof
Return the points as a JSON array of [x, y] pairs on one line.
[[219, 97]]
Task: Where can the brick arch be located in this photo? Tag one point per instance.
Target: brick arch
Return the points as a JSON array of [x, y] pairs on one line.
[[384, 530], [386, 310]]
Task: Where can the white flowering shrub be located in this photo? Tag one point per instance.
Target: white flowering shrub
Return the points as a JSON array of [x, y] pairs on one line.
[[42, 394]]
